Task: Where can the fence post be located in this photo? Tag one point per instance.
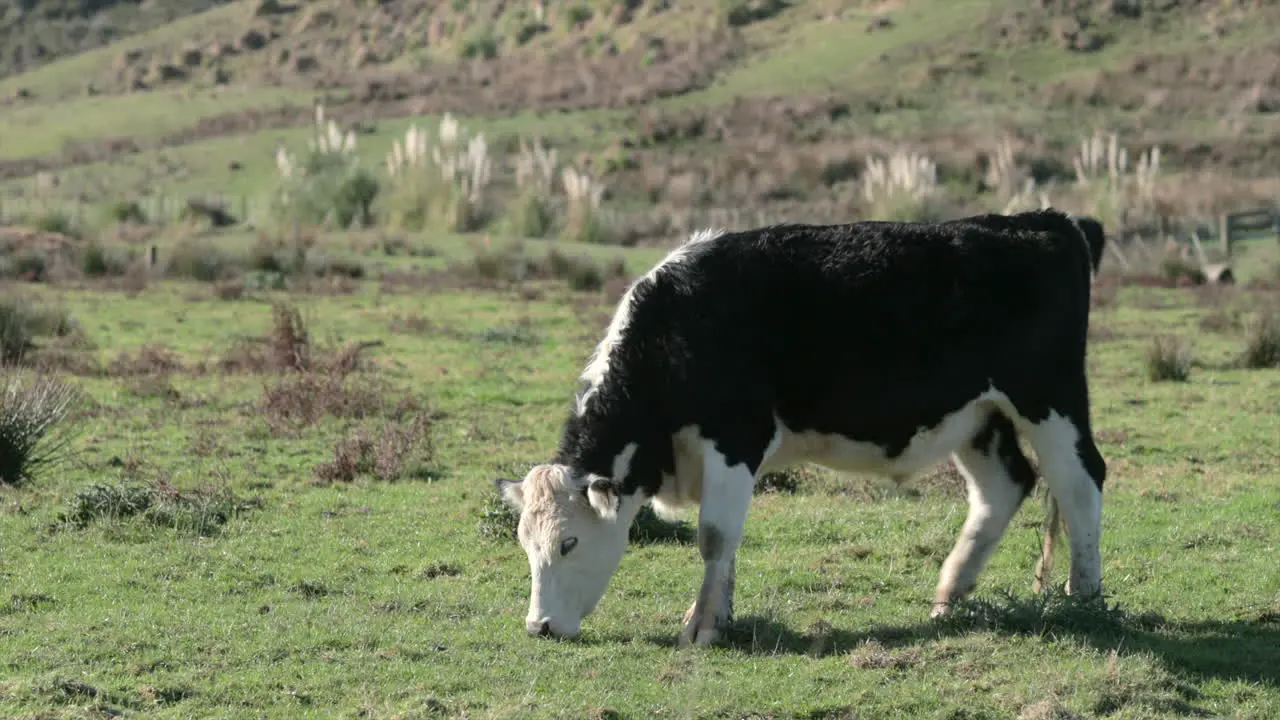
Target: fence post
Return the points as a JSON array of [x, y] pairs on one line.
[[1224, 234], [153, 256]]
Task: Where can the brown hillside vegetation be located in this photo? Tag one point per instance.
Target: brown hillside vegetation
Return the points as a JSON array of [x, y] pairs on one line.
[[773, 107]]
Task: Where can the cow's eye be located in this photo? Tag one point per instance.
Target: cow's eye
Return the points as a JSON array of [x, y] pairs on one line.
[[569, 544]]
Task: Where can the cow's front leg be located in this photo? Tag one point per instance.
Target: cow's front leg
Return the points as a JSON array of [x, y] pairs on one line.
[[726, 495]]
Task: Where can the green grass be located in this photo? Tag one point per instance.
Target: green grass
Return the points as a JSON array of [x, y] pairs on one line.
[[43, 128], [383, 599]]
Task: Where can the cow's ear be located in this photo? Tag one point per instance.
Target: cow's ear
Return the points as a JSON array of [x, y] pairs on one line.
[[602, 494], [511, 492]]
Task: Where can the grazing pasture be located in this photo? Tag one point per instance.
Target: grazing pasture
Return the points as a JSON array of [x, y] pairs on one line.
[[256, 525], [272, 495]]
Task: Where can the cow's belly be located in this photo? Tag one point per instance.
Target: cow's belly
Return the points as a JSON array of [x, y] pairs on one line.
[[928, 447]]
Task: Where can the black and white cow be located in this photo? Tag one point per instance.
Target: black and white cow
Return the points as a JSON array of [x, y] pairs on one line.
[[877, 347]]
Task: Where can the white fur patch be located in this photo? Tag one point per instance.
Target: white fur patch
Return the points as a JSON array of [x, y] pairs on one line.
[[598, 365], [622, 463], [928, 447], [1079, 498]]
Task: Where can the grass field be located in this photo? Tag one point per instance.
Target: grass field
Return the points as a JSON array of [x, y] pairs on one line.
[[253, 584], [257, 521]]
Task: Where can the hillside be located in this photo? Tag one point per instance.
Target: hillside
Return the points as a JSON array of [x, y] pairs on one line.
[[680, 105]]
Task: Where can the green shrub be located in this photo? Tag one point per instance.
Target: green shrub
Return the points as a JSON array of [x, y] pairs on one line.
[[576, 15], [31, 416], [332, 187], [479, 43], [530, 215], [56, 221], [745, 12], [440, 186], [97, 260], [126, 211], [199, 260], [201, 511]]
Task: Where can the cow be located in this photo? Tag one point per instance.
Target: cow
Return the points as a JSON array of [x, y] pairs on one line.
[[874, 346]]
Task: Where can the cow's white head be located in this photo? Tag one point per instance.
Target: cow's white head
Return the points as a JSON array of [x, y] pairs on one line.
[[574, 530]]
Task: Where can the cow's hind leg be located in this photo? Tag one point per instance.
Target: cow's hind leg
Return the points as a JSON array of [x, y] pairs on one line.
[[1075, 471], [722, 516], [998, 477]]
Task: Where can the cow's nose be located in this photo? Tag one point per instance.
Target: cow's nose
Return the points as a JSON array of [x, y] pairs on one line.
[[538, 628]]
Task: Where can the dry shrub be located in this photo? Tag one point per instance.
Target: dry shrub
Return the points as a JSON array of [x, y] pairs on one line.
[[298, 400], [583, 221], [512, 265], [152, 387], [290, 342], [903, 188], [383, 454], [148, 360], [287, 347], [1222, 320]]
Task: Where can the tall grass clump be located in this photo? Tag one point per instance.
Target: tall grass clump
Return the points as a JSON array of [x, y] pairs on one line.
[[1262, 341], [1169, 359], [1111, 189], [329, 184], [1014, 186], [22, 320], [902, 188], [32, 413], [532, 214], [440, 186], [583, 220]]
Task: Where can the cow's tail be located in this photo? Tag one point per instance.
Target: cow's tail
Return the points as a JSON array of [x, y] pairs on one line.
[[1053, 526]]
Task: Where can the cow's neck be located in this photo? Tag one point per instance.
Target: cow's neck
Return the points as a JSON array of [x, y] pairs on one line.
[[607, 439]]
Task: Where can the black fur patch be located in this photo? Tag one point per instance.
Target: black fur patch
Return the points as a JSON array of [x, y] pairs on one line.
[[869, 330]]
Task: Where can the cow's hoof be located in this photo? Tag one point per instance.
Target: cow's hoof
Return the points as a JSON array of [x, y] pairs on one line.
[[700, 631], [940, 609]]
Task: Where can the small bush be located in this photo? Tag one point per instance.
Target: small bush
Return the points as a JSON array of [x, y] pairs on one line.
[[440, 186], [201, 511], [530, 215], [1181, 271], [32, 414], [382, 454], [785, 482], [199, 260], [648, 529], [56, 221], [1262, 341], [903, 188], [479, 43], [26, 264], [498, 521], [511, 264], [583, 222], [96, 260], [126, 211], [302, 399], [1169, 359], [744, 12], [329, 184], [22, 320]]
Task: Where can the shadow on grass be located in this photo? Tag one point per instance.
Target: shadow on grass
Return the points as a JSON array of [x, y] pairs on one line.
[[1245, 649]]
